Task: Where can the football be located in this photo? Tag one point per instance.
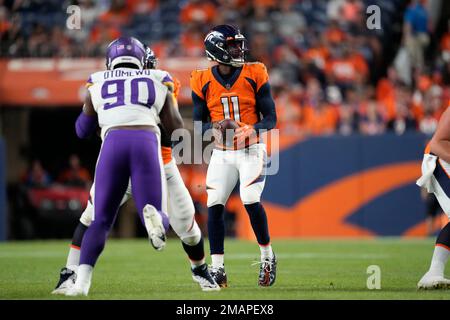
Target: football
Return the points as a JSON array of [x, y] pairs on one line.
[[227, 127]]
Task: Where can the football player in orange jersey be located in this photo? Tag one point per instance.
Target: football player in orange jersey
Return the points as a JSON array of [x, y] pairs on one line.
[[436, 179], [181, 208], [240, 91]]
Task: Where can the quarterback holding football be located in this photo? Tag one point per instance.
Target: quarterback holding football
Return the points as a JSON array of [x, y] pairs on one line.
[[234, 95]]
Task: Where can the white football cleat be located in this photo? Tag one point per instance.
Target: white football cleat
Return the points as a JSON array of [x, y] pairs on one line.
[[429, 281], [83, 283], [155, 227], [77, 291], [67, 279], [202, 276]]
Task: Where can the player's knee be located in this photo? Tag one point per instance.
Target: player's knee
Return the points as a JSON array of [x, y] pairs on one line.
[[215, 198], [192, 240], [250, 196], [189, 233], [102, 223], [86, 217]]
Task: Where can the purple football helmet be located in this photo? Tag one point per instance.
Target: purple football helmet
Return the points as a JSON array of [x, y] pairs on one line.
[[126, 50]]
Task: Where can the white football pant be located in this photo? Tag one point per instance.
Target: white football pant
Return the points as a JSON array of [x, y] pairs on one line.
[[228, 166], [181, 209]]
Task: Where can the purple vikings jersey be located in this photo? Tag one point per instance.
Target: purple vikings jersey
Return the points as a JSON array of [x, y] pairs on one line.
[[127, 97]]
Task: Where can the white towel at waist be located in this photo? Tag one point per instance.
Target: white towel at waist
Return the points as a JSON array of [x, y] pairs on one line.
[[428, 166]]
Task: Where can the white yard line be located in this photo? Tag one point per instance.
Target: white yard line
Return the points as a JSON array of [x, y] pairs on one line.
[[31, 254], [310, 255]]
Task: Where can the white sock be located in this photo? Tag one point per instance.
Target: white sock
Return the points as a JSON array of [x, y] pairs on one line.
[[440, 257], [266, 252], [84, 277], [197, 263], [217, 260], [73, 259]]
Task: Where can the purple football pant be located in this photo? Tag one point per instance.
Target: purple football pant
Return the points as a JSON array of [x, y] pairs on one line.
[[124, 154]]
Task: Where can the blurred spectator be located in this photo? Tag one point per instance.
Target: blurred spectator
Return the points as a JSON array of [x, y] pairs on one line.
[[428, 123], [349, 116], [334, 34], [445, 44], [321, 119], [289, 112], [232, 12], [334, 9], [59, 43], [101, 36], [260, 22], [38, 42], [346, 125], [117, 15], [162, 49], [36, 177], [351, 11], [372, 122], [75, 175], [386, 92], [5, 25], [142, 6], [192, 42], [260, 49], [90, 11], [404, 120], [346, 68], [287, 63], [415, 32], [12, 42], [198, 12], [266, 4], [288, 22], [317, 54]]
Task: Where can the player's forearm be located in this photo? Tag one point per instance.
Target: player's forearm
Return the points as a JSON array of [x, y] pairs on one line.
[[206, 126], [266, 106], [201, 112], [85, 125], [441, 148], [269, 122]]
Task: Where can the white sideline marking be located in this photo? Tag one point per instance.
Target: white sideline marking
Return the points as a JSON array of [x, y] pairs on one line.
[[311, 255], [31, 254]]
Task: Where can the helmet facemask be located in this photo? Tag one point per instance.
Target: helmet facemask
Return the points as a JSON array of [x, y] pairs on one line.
[[150, 59], [237, 49]]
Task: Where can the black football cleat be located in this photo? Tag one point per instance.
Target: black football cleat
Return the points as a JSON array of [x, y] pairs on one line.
[[67, 279], [267, 272], [219, 275], [202, 276]]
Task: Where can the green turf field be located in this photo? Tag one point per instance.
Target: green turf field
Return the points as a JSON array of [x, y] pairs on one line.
[[307, 269]]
